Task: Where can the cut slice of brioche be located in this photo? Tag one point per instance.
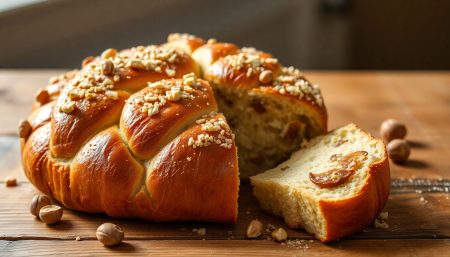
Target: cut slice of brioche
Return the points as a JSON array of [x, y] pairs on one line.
[[328, 211]]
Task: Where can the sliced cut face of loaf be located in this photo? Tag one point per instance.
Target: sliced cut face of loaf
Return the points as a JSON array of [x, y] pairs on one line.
[[273, 110], [334, 187]]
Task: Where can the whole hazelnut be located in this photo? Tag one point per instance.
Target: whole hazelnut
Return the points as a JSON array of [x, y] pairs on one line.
[[107, 67], [254, 229], [50, 214], [398, 150], [392, 129], [37, 203], [10, 182], [109, 234]]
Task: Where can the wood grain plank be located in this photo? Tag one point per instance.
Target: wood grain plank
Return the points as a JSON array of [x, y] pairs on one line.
[[346, 248], [413, 213]]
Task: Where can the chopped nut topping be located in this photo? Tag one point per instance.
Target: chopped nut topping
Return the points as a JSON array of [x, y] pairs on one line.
[[112, 95], [87, 60], [211, 41], [43, 96], [170, 72], [136, 64], [97, 79], [108, 53], [223, 138], [249, 59], [67, 107], [167, 90], [292, 82], [179, 36]]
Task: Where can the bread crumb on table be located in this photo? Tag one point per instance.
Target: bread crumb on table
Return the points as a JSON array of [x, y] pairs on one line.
[[380, 222], [298, 244]]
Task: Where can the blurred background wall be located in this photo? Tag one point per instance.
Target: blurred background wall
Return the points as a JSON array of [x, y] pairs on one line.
[[310, 34]]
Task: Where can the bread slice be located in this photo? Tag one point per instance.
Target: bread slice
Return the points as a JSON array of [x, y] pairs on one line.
[[351, 175]]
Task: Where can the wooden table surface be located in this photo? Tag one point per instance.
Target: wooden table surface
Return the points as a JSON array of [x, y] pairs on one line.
[[418, 206]]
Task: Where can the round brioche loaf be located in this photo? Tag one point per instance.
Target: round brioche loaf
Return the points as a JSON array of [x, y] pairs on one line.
[[138, 133]]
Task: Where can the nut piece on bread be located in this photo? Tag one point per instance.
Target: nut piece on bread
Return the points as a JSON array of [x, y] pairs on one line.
[[311, 191]]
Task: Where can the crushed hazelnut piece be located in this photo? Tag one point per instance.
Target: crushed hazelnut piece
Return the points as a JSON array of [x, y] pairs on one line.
[[254, 229], [279, 234], [108, 53], [170, 72], [211, 41], [87, 60], [107, 67], [136, 64], [266, 77], [67, 107]]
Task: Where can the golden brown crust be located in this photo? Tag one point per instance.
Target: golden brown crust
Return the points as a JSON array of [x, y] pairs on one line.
[[35, 157], [206, 177], [105, 175]]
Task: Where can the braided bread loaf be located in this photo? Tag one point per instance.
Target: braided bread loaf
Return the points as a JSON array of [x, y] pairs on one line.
[[137, 133]]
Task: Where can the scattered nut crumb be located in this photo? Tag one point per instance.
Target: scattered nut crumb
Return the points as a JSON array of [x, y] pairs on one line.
[[10, 182], [254, 229], [381, 221], [298, 244], [380, 224], [77, 238]]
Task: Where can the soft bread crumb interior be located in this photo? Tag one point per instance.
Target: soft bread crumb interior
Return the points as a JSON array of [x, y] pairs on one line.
[[287, 191], [267, 130]]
